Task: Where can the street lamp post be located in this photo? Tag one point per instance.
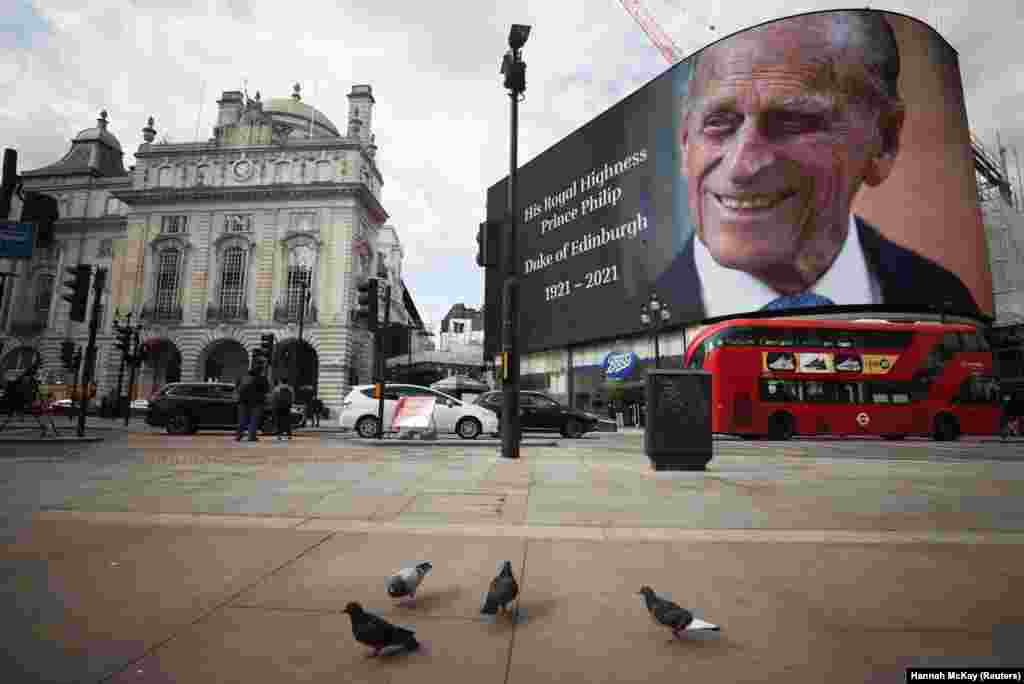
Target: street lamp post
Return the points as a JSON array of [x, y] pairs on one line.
[[304, 297], [514, 70], [654, 316]]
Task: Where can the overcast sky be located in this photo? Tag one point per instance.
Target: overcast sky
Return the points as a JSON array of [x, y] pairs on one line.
[[441, 117]]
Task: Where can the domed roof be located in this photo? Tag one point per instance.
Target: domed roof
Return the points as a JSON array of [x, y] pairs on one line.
[[94, 151], [292, 110], [99, 133]]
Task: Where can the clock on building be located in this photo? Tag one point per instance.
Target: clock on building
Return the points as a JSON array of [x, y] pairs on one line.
[[243, 169]]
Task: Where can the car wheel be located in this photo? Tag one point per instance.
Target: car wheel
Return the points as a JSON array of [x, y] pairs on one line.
[[572, 429], [946, 428], [366, 427], [469, 428], [179, 424], [780, 426]]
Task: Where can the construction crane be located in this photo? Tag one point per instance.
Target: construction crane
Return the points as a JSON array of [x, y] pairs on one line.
[[990, 173], [669, 50]]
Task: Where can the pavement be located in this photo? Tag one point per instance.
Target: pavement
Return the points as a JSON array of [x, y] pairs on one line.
[[153, 558]]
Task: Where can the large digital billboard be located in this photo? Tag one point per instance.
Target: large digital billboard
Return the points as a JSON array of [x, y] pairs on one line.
[[821, 160]]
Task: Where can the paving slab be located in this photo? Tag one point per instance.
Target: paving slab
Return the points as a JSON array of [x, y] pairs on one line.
[[351, 567], [805, 614], [79, 616], [359, 505], [246, 645]]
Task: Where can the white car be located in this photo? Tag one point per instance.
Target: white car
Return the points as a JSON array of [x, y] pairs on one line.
[[359, 411]]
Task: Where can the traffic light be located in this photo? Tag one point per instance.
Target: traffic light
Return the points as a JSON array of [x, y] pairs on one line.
[[42, 211], [367, 304], [124, 341], [487, 240], [267, 346], [145, 351], [67, 353], [9, 182], [78, 297]]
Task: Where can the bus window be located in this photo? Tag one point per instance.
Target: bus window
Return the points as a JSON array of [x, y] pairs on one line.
[[979, 389], [891, 392], [849, 392], [973, 342], [780, 390], [814, 338], [776, 337], [816, 390], [697, 358], [884, 339], [951, 344], [736, 337], [847, 338]]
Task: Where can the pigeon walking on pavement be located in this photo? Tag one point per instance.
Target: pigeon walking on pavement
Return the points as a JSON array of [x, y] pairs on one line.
[[406, 581], [672, 615], [503, 591], [378, 633]]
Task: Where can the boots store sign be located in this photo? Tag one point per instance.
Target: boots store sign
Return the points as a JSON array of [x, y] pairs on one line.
[[619, 365]]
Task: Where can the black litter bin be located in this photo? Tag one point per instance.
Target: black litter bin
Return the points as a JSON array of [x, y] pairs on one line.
[[677, 434]]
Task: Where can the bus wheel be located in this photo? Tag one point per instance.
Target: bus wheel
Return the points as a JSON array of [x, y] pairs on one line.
[[946, 428], [781, 426]]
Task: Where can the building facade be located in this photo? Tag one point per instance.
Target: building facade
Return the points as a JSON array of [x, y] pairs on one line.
[[271, 222]]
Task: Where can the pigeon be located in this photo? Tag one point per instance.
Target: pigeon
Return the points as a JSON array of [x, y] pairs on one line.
[[671, 615], [407, 580], [377, 633], [503, 591]]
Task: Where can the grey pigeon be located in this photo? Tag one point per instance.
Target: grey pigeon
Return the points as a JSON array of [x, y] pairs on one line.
[[407, 580], [503, 591], [671, 615], [377, 633]]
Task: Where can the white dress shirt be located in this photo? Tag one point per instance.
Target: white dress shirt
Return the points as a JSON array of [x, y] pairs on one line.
[[727, 291]]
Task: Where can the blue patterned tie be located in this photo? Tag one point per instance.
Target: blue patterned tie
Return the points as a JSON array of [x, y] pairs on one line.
[[797, 301]]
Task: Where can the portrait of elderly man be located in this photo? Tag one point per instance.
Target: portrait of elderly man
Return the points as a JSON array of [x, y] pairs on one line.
[[781, 127]]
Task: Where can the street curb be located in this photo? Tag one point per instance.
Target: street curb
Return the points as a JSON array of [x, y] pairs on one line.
[[48, 440], [447, 442]]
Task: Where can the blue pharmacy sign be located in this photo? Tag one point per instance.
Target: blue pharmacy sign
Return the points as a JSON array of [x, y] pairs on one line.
[[619, 365], [16, 240]]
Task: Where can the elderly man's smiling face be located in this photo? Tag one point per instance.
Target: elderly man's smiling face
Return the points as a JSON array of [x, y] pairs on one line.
[[776, 144]]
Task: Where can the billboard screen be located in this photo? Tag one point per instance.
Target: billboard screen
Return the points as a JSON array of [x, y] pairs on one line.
[[821, 160]]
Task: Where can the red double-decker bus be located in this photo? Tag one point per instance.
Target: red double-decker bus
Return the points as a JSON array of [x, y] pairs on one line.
[[784, 377]]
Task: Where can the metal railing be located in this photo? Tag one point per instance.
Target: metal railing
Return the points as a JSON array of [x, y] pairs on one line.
[[225, 314], [290, 314], [160, 314]]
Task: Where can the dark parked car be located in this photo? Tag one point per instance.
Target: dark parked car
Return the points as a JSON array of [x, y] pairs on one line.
[[185, 407], [541, 412]]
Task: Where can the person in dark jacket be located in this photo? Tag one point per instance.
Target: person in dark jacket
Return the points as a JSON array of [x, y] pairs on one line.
[[252, 393], [283, 398], [315, 410]]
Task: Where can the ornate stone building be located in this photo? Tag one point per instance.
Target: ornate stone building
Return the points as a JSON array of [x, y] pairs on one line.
[[211, 244]]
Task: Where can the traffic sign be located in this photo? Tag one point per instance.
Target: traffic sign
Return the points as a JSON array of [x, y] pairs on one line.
[[16, 239]]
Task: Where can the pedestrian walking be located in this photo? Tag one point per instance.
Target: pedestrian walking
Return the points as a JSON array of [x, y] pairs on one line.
[[282, 402], [316, 409], [252, 393]]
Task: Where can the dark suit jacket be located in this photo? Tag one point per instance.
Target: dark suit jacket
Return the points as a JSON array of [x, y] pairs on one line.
[[907, 279]]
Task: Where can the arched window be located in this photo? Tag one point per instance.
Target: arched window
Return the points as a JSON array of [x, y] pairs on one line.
[[232, 283], [299, 277], [168, 268]]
